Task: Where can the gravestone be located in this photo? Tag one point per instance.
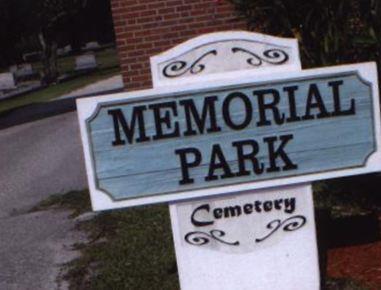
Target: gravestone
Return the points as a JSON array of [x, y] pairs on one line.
[[92, 45], [13, 68], [7, 81], [24, 70], [61, 51], [85, 62], [67, 49]]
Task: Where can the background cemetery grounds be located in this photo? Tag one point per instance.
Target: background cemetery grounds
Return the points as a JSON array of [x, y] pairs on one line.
[[108, 66]]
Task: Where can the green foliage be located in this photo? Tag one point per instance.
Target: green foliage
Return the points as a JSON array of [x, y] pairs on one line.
[[51, 16], [344, 284], [329, 31], [348, 196], [129, 249]]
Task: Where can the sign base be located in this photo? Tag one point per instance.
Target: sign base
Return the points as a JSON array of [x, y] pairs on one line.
[[259, 240]]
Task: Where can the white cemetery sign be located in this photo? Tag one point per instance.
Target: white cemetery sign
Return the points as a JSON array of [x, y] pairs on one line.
[[202, 228], [7, 81], [85, 62], [223, 118]]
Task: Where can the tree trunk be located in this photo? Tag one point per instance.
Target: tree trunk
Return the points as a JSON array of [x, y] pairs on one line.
[[49, 59]]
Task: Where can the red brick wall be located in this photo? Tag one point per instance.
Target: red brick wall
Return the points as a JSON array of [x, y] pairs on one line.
[[147, 27]]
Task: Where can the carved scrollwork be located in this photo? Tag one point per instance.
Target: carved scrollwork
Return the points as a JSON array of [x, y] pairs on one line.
[[177, 68], [201, 238], [273, 56], [291, 224], [180, 67]]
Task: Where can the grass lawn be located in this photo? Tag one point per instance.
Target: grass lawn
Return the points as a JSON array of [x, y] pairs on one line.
[[107, 67]]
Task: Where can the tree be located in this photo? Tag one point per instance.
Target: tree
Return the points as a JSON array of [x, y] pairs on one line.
[[12, 33], [43, 25], [329, 31], [51, 19]]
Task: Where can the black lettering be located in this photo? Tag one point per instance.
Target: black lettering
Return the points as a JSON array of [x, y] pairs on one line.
[[251, 156], [232, 211], [271, 106], [248, 208], [160, 120], [217, 212], [336, 101], [197, 223], [292, 104], [315, 101], [191, 113], [257, 205], [186, 164], [277, 204], [129, 130], [290, 205], [226, 111], [218, 161], [268, 206], [279, 152]]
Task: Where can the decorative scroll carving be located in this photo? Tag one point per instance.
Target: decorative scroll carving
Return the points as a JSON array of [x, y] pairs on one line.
[[177, 68], [289, 225], [273, 56], [180, 67], [201, 238]]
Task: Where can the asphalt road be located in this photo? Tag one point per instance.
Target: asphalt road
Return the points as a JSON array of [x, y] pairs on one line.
[[36, 160]]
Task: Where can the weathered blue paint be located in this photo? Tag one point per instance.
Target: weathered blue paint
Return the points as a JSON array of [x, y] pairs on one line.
[[319, 145]]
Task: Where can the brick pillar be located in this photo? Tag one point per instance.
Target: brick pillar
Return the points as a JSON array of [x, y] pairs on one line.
[[147, 27]]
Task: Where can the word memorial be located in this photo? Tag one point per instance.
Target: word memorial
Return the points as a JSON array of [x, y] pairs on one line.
[[178, 143]]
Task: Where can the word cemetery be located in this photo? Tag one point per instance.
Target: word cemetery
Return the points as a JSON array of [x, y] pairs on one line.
[[286, 205]]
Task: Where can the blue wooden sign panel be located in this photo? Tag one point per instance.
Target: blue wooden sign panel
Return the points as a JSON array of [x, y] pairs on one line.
[[236, 134]]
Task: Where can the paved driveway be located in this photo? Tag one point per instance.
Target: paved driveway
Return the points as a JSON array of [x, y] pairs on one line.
[[36, 160]]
